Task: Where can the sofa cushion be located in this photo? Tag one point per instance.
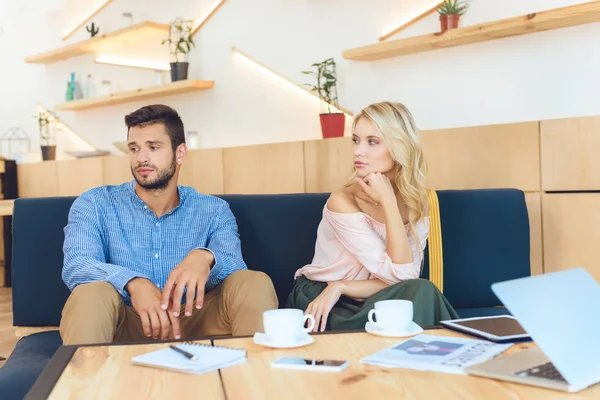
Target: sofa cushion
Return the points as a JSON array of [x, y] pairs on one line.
[[485, 239], [38, 290], [26, 363], [278, 233]]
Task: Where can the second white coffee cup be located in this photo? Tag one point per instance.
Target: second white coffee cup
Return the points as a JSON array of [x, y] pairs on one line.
[[392, 315], [286, 325]]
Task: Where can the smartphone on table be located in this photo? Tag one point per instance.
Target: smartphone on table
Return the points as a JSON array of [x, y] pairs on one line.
[[309, 364]]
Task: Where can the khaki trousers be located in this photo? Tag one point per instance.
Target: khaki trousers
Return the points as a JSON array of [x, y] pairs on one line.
[[95, 312]]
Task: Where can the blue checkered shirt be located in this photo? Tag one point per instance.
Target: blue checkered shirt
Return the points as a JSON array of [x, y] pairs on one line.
[[113, 236]]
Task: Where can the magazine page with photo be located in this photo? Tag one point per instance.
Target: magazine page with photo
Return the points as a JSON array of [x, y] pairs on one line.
[[436, 353]]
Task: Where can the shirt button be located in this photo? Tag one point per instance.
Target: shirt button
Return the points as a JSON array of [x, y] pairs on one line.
[[145, 207], [157, 224], [156, 255]]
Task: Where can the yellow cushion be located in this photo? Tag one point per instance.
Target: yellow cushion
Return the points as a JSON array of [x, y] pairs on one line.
[[436, 260]]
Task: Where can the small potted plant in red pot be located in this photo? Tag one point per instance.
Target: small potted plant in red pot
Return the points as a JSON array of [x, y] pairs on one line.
[[332, 119], [450, 12]]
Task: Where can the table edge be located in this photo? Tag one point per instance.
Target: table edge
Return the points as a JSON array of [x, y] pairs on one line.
[[51, 373]]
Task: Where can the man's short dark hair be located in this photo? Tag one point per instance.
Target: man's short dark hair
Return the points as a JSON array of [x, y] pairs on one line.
[[158, 114]]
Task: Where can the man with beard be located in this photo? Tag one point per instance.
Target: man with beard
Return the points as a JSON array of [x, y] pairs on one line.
[[152, 259]]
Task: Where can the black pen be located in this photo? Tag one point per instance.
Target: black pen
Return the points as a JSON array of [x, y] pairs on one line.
[[185, 353]]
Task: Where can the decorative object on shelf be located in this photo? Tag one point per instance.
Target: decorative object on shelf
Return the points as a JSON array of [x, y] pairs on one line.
[[332, 123], [180, 44], [105, 88], [450, 12], [89, 88], [129, 16], [92, 29], [74, 91], [193, 140], [47, 123], [16, 141]]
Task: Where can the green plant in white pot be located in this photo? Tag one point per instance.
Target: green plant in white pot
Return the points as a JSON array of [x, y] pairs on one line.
[[325, 86], [180, 44]]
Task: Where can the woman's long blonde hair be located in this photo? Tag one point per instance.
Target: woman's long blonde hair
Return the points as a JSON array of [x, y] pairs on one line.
[[402, 138]]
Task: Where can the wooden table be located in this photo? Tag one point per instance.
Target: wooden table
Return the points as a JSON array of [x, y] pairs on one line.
[[107, 372]]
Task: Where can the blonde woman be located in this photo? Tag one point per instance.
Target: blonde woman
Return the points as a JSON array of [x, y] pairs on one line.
[[371, 240]]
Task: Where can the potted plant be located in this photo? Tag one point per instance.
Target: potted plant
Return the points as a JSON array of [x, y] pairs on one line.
[[332, 123], [450, 12], [180, 44], [46, 123]]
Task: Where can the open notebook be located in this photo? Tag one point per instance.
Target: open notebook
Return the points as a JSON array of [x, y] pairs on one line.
[[208, 358]]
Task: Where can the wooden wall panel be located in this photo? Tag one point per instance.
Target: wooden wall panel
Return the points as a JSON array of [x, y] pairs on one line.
[[494, 156], [534, 208], [77, 176], [37, 179], [570, 154], [262, 169], [116, 170], [571, 223], [328, 164], [203, 170]]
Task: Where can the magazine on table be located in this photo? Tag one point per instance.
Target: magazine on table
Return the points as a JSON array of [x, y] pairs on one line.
[[436, 353]]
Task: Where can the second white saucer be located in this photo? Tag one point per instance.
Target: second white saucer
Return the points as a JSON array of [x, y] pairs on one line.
[[263, 340], [412, 330]]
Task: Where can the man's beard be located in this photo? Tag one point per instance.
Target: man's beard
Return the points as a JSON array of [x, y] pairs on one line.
[[162, 180]]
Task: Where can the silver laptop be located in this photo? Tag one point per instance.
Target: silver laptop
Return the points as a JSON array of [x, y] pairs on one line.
[[561, 313]]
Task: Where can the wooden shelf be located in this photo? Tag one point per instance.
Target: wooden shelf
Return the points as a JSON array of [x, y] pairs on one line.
[[138, 94], [131, 34], [537, 22]]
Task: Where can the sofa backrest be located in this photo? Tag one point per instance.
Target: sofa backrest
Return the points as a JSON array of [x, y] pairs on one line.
[[278, 233], [485, 240], [38, 291]]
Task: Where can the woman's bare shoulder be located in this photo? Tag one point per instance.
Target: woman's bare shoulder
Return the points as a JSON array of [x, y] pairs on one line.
[[342, 200]]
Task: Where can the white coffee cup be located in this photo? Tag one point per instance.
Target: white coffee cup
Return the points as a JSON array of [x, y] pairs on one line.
[[286, 325], [392, 315]]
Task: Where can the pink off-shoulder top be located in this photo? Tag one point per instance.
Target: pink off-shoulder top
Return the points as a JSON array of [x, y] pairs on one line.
[[352, 246]]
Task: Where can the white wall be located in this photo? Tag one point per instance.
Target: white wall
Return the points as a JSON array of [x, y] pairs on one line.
[[539, 76]]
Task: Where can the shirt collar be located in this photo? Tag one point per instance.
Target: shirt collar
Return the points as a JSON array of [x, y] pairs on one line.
[[182, 197]]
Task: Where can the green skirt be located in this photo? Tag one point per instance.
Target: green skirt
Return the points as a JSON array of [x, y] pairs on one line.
[[429, 304]]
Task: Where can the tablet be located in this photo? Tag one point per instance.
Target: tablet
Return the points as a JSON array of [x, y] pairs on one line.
[[498, 328]]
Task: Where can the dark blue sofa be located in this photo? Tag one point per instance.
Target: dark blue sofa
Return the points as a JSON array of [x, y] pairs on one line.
[[485, 237]]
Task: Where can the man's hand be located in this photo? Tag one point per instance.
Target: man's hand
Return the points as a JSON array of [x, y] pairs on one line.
[[322, 305], [192, 273], [156, 322]]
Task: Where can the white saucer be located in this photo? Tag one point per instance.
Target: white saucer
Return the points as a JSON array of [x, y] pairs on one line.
[[412, 330], [263, 340]]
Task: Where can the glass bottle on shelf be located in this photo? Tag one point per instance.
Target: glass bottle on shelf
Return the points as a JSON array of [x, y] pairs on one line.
[[77, 92], [89, 88], [69, 92], [106, 88], [193, 140]]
